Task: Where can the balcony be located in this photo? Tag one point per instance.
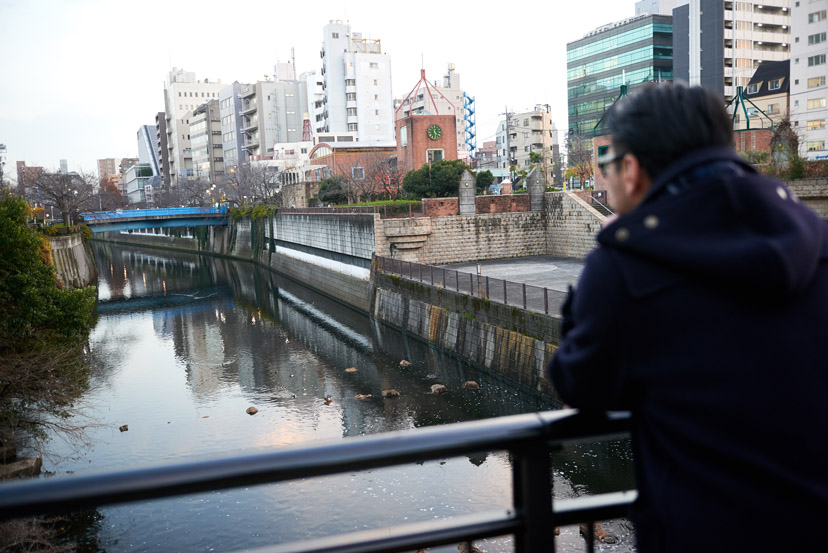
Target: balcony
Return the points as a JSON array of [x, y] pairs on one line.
[[251, 124], [248, 108]]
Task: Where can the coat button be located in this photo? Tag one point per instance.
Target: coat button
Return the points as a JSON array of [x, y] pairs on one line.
[[651, 221], [622, 234], [781, 192]]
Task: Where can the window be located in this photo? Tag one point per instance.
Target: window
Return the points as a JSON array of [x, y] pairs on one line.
[[404, 136], [350, 96], [352, 127], [816, 125], [816, 16], [819, 59], [352, 111], [775, 84], [374, 65], [376, 112], [816, 39], [350, 82], [773, 108], [375, 82], [816, 81], [816, 145], [334, 35], [358, 173], [753, 88], [816, 103], [434, 155]]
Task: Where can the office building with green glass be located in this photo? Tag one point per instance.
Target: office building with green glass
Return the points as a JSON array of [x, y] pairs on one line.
[[630, 52]]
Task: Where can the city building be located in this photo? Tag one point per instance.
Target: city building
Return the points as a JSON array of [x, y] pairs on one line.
[[357, 84], [448, 99], [206, 142], [183, 93], [631, 52], [26, 177], [163, 152], [809, 71], [148, 148], [487, 156], [138, 180], [315, 83], [426, 127], [523, 134], [271, 112], [718, 44], [108, 168], [232, 137], [768, 92], [64, 167], [656, 7]]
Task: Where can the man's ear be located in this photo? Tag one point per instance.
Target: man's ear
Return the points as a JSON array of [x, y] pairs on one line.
[[634, 178]]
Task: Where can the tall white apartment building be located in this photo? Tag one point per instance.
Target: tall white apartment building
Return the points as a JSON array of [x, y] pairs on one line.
[[183, 93], [718, 44], [315, 85], [357, 84], [809, 72]]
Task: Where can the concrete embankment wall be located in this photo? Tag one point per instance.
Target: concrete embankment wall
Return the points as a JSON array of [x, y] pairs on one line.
[[510, 343], [73, 261]]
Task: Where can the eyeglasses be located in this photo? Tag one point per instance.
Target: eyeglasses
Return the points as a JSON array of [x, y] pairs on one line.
[[603, 162]]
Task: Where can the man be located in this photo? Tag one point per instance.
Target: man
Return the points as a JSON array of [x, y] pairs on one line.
[[704, 311]]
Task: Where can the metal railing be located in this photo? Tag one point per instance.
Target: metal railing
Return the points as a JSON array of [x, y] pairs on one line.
[[519, 294], [133, 213], [600, 200], [528, 439]]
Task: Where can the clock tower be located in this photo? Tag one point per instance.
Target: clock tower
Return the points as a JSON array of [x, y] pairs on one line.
[[429, 133]]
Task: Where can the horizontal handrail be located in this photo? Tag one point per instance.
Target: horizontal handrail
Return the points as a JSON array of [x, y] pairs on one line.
[[527, 437]]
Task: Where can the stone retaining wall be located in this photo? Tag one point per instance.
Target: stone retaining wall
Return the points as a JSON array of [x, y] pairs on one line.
[[573, 225], [73, 261], [510, 343]]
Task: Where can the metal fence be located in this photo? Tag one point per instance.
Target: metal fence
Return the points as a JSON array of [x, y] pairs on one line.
[[384, 211], [528, 439], [519, 294]]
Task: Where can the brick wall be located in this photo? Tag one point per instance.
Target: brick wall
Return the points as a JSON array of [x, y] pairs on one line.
[[507, 203], [758, 139], [813, 193]]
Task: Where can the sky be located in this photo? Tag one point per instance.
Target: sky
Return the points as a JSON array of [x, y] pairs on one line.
[[79, 77]]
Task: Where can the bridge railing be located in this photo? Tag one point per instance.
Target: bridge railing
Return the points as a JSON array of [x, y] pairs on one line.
[[160, 212], [519, 294], [527, 438]]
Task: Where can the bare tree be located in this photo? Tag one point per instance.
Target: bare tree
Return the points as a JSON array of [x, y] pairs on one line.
[[265, 182], [384, 177], [69, 192], [110, 198], [579, 154], [237, 187], [193, 192]]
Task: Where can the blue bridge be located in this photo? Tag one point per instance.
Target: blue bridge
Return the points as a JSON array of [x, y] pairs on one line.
[[133, 219]]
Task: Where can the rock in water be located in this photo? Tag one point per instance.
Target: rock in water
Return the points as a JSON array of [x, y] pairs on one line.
[[438, 389], [350, 370], [363, 396], [123, 428], [600, 534], [405, 363], [471, 385], [251, 410], [390, 393]]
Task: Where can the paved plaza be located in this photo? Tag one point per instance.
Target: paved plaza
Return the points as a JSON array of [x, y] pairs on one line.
[[546, 271]]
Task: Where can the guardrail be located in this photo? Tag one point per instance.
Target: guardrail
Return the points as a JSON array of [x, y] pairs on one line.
[[520, 294], [161, 212], [528, 439]]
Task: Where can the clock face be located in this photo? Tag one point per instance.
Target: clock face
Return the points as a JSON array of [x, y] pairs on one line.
[[434, 132]]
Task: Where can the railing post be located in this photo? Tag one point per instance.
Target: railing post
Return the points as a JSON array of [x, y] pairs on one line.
[[505, 301], [532, 490], [457, 281], [546, 300], [431, 270], [420, 265], [444, 276], [409, 270], [487, 287], [471, 284], [524, 295]]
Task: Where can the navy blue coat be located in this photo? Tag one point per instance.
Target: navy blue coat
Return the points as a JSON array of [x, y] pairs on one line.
[[705, 313]]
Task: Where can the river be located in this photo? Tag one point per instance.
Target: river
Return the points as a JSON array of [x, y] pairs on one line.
[[185, 344]]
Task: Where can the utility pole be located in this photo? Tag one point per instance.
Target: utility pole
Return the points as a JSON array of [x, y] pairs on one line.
[[509, 145]]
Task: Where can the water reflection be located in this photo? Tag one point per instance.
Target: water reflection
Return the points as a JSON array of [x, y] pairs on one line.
[[186, 343]]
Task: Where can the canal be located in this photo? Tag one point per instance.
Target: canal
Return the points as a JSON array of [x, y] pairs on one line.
[[185, 344]]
